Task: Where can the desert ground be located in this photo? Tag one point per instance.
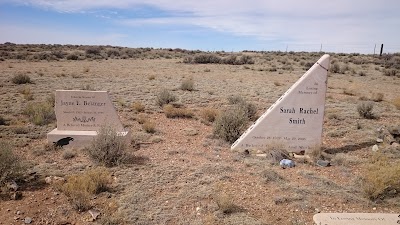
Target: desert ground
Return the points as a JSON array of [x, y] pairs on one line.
[[181, 172]]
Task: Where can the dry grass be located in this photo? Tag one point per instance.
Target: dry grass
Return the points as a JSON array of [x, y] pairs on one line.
[[187, 84], [80, 188], [209, 115], [396, 102], [382, 179], [172, 112], [41, 113], [138, 107], [10, 164], [365, 110], [149, 127]]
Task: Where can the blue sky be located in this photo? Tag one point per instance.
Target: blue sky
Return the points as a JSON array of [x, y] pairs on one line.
[[210, 25]]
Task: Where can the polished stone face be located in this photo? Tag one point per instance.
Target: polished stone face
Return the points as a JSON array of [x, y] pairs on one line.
[[295, 119], [80, 114], [85, 111], [356, 218]]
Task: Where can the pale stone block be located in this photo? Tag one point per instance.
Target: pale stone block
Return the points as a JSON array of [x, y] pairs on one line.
[[356, 219], [295, 119]]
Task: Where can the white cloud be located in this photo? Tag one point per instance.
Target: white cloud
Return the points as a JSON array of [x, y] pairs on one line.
[[339, 22], [43, 35]]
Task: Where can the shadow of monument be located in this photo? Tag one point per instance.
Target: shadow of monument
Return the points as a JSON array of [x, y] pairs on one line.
[[348, 148]]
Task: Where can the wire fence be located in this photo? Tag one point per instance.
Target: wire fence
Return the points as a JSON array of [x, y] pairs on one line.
[[343, 48]]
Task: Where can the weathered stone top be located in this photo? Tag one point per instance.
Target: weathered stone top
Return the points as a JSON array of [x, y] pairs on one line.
[[85, 111], [295, 119]]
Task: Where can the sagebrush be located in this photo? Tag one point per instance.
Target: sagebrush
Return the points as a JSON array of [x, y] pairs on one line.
[[108, 148], [230, 124], [10, 164]]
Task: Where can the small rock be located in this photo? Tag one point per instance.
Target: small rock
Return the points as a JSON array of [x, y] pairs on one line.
[[379, 140], [12, 186], [27, 220], [374, 208], [395, 145], [323, 163], [197, 209], [16, 195], [18, 212], [375, 148], [286, 163], [94, 213], [317, 210]]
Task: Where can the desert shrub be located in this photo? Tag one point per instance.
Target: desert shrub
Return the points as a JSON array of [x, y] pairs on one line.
[[231, 60], [93, 51], [172, 112], [10, 164], [206, 58], [108, 148], [26, 91], [235, 99], [68, 154], [2, 120], [149, 127], [381, 178], [335, 68], [209, 114], [79, 188], [270, 175], [377, 97], [230, 124], [365, 110], [21, 79], [245, 59], [396, 102], [72, 56], [165, 97], [390, 72], [40, 113], [249, 108], [187, 84], [138, 107]]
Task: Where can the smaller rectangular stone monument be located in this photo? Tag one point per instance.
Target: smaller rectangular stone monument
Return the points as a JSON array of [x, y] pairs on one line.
[[356, 219], [80, 115]]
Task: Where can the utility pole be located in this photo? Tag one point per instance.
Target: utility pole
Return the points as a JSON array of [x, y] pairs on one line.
[[320, 49], [381, 50], [374, 49]]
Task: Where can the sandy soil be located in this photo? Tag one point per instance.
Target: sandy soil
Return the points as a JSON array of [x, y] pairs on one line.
[[182, 170]]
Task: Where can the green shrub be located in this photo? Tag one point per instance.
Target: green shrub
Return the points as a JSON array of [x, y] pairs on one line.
[[165, 97], [335, 68], [249, 108], [21, 79], [41, 113], [230, 124], [10, 164], [108, 148], [365, 110]]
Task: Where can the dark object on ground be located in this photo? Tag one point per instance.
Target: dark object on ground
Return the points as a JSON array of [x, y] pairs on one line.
[[63, 141]]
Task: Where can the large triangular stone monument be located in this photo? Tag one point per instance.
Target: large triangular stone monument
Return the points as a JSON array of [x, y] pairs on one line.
[[80, 115], [295, 119]]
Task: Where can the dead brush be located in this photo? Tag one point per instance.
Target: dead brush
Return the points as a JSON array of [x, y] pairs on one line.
[[80, 188], [276, 152], [208, 115], [138, 107], [224, 200], [381, 178], [10, 164], [172, 112]]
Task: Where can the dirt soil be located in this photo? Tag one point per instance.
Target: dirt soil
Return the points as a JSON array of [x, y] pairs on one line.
[[182, 172]]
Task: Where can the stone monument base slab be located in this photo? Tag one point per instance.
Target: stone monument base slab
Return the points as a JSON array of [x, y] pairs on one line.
[[75, 139]]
